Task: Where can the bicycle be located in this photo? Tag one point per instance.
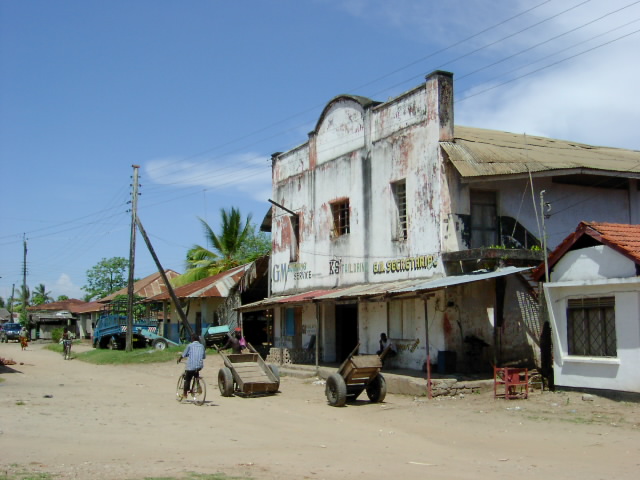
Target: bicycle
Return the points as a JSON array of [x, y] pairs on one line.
[[198, 391], [66, 349]]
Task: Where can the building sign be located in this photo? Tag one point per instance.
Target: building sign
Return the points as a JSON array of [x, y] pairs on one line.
[[408, 264], [299, 271], [337, 267]]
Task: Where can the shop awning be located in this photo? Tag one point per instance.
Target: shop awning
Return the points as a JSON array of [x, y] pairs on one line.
[[444, 282], [371, 290], [296, 298]]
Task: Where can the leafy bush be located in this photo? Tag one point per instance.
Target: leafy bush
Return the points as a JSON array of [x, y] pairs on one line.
[[56, 334]]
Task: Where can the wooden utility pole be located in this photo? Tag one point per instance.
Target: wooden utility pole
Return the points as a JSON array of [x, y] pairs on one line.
[[544, 206], [172, 294], [25, 298], [13, 289], [132, 257]]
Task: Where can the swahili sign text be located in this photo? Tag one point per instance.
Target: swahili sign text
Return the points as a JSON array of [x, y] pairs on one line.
[[408, 264]]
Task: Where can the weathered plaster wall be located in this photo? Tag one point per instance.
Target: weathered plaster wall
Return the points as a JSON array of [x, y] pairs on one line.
[[355, 165], [592, 263]]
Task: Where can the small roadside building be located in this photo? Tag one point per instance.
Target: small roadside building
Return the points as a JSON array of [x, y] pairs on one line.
[[593, 299], [211, 301], [47, 317]]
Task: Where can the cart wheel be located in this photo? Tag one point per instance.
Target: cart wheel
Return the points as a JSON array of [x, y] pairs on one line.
[[377, 389], [225, 382], [276, 372], [336, 390], [159, 343]]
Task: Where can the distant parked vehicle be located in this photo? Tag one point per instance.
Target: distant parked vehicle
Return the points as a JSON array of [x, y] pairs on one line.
[[215, 335], [11, 332], [111, 330]]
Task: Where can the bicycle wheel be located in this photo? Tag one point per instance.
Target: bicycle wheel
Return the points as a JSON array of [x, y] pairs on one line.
[[180, 388], [67, 351], [199, 389]]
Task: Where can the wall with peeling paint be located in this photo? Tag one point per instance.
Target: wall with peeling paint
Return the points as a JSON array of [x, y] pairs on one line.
[[355, 154]]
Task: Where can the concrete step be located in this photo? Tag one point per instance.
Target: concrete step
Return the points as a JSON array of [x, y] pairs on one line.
[[398, 383]]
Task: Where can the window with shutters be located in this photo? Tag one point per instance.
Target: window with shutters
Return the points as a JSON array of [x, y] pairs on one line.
[[399, 190], [340, 212], [591, 327]]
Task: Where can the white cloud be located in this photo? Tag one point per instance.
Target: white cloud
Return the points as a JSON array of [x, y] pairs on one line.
[[249, 173], [590, 98], [65, 286]]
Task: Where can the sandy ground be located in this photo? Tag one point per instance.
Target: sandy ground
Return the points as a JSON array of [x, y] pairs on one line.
[[76, 420]]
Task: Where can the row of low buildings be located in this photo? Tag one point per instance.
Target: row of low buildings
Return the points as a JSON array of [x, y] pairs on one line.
[[389, 218]]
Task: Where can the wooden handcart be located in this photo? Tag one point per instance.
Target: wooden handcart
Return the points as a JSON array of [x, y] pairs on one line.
[[357, 373], [247, 374]]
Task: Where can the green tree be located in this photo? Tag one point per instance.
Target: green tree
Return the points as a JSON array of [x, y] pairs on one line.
[[106, 277], [236, 244], [62, 298], [256, 245], [20, 303], [1, 302], [40, 295]]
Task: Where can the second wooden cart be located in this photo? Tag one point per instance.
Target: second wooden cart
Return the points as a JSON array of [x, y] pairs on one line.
[[356, 374]]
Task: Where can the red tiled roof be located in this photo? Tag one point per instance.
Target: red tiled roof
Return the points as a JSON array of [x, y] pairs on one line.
[[621, 237]]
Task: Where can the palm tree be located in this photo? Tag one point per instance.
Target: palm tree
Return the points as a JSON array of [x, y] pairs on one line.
[[225, 248], [20, 303], [40, 295]]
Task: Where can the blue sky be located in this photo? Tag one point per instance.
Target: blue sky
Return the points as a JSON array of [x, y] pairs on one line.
[[201, 93]]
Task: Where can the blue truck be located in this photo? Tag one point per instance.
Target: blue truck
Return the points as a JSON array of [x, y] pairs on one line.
[[111, 332]]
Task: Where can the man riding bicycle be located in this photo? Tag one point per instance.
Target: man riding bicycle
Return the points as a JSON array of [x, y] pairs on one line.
[[195, 355]]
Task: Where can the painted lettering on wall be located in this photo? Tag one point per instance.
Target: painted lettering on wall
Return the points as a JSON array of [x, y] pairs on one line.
[[408, 347], [298, 270], [423, 262], [338, 267]]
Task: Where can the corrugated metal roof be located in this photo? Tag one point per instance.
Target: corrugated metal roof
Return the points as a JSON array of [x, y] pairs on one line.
[[379, 289], [369, 290], [147, 287], [478, 152], [213, 286], [295, 298], [444, 282]]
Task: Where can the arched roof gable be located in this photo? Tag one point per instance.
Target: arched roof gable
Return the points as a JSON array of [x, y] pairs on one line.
[[364, 103]]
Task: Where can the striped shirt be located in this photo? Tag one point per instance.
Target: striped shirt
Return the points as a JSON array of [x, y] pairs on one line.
[[195, 355]]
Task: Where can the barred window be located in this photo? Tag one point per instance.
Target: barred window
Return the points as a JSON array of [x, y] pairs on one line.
[[399, 190], [591, 327], [340, 212]]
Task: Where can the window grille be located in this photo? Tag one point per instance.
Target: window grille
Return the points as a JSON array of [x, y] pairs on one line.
[[340, 211], [399, 190], [591, 327]]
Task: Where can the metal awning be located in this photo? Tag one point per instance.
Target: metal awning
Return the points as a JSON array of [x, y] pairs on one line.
[[444, 282], [371, 290], [296, 298]]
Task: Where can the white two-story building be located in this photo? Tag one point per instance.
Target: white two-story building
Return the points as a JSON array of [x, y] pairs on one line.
[[390, 219]]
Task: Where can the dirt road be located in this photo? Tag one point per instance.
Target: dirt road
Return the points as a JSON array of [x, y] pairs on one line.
[[76, 420]]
